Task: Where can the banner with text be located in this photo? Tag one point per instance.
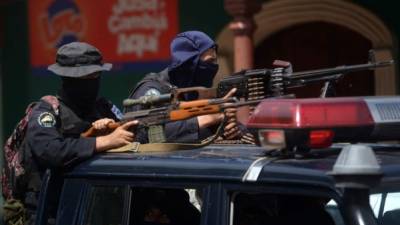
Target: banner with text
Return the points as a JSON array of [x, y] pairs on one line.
[[131, 34]]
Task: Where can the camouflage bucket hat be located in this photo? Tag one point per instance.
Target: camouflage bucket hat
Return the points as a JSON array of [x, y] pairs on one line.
[[78, 59]]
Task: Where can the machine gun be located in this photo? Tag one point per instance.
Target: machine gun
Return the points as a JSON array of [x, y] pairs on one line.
[[265, 83], [156, 116]]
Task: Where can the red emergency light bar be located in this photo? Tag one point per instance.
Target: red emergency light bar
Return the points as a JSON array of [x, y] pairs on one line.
[[318, 122]]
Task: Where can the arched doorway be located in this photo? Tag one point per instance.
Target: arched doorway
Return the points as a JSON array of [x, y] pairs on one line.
[[279, 15], [320, 45]]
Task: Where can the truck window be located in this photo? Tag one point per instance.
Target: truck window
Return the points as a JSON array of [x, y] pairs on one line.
[[163, 206], [274, 209], [105, 206], [145, 205], [386, 207]]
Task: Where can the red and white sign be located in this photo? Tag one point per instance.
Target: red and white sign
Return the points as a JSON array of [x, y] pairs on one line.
[[125, 31]]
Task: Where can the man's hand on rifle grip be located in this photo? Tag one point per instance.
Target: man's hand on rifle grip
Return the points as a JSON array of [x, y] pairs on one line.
[[118, 138], [212, 119]]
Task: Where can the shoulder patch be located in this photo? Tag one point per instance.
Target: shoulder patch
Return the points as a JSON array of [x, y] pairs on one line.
[[117, 112], [46, 119], [152, 91]]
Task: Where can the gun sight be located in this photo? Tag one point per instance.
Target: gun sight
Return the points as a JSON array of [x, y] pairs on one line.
[[148, 100]]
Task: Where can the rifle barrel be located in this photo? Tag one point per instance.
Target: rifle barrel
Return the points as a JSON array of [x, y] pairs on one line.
[[143, 113], [338, 70]]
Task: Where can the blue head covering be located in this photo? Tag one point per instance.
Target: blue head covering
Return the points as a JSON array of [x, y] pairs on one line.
[[186, 69]]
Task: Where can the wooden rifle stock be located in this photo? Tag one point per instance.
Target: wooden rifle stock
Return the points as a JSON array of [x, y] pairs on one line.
[[93, 132], [197, 108], [205, 107], [189, 112]]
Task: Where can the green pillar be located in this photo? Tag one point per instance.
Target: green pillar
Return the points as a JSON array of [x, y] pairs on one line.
[[14, 67], [15, 73]]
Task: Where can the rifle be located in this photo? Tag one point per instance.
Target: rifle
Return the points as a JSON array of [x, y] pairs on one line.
[[173, 112]]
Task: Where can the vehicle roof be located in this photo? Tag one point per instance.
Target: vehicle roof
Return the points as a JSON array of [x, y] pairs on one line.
[[230, 163]]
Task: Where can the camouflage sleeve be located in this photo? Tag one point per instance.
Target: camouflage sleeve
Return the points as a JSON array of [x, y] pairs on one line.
[[48, 146]]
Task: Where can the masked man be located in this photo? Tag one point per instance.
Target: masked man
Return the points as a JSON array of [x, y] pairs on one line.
[[194, 63], [53, 139]]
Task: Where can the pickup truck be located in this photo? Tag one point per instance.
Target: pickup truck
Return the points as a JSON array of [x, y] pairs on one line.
[[277, 182]]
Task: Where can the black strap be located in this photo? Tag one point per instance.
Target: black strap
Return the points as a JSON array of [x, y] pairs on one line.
[[168, 147]]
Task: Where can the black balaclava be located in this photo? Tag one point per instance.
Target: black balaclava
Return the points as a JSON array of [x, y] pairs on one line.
[[80, 94], [205, 73], [186, 69]]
